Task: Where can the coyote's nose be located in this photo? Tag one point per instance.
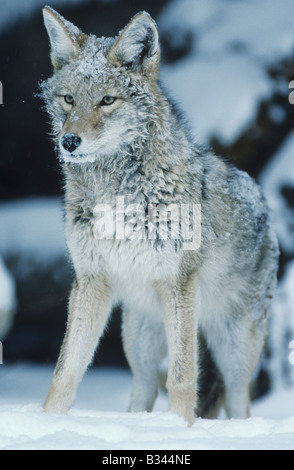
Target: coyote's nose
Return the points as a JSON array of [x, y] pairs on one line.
[[70, 142]]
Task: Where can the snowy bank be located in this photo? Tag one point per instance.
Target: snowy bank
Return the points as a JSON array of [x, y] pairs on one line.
[[278, 174], [222, 81], [99, 421], [281, 331], [32, 228]]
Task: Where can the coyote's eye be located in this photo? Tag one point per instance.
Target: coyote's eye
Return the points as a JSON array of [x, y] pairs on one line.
[[107, 100], [69, 99]]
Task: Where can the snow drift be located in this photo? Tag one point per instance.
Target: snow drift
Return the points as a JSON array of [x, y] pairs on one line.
[[98, 420]]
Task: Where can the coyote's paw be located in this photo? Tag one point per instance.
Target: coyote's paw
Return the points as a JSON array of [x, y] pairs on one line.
[[182, 401], [52, 406], [58, 400]]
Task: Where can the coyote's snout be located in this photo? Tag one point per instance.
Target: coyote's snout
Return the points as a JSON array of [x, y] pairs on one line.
[[130, 165], [70, 142]]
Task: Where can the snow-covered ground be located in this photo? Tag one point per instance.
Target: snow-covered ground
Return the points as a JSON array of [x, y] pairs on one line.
[[99, 420], [219, 86]]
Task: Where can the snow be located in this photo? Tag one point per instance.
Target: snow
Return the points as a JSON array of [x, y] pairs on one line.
[[221, 83], [98, 419], [282, 330], [33, 227], [73, 30]]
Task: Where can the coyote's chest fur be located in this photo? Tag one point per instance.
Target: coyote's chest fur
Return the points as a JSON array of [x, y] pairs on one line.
[[124, 254]]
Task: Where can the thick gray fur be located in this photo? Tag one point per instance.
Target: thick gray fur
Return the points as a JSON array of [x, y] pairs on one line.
[[207, 307]]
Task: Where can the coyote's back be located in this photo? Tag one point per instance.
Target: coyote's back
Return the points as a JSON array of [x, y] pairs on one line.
[[177, 236]]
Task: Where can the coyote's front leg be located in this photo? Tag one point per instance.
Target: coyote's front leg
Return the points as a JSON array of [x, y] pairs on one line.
[[89, 308], [181, 330]]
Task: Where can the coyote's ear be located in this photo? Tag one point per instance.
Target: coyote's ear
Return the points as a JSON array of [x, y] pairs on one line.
[[65, 38], [137, 46]]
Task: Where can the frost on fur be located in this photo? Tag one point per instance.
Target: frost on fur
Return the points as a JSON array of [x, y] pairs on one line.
[[137, 45], [64, 37]]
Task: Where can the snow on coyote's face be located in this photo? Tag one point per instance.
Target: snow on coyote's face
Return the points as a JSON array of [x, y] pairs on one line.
[[101, 88]]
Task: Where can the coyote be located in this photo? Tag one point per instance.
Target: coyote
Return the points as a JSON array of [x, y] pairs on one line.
[[120, 139]]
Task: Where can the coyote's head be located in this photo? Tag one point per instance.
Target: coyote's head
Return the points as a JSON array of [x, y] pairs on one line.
[[104, 91]]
